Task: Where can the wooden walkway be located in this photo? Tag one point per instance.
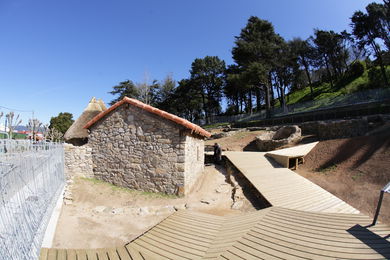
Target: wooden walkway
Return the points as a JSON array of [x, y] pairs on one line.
[[284, 188], [272, 233], [304, 222], [119, 253]]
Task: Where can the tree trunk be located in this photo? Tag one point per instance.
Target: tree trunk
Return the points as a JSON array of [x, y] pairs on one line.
[[308, 76], [383, 69], [250, 101], [329, 73], [258, 99], [205, 109]]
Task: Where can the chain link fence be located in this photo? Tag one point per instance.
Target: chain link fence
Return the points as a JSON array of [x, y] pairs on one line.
[[356, 98], [31, 179]]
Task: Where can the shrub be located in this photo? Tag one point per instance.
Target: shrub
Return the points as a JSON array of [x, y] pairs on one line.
[[356, 69], [375, 77]]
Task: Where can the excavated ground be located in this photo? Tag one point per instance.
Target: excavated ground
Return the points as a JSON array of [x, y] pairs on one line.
[[103, 215], [353, 169]]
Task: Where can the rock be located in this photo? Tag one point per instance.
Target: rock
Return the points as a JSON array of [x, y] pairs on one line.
[[204, 201], [107, 210], [223, 188], [238, 204], [68, 202], [165, 210], [99, 209], [117, 211], [143, 211], [180, 207], [272, 140]]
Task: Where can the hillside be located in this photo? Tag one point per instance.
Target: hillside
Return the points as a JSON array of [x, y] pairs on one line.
[[346, 85]]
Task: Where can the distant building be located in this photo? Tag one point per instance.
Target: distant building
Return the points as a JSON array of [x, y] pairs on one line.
[[138, 146]]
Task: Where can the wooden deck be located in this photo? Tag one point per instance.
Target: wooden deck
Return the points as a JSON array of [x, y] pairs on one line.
[[304, 222], [119, 253], [272, 233], [284, 188]]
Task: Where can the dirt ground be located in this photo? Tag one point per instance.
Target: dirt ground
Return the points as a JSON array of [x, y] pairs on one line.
[[103, 215], [241, 141], [353, 169]]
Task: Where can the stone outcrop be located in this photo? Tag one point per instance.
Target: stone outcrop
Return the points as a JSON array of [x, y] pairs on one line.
[[272, 140], [140, 150], [78, 161]]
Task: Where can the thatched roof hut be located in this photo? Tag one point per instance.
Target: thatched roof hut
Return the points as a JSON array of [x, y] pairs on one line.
[[77, 134]]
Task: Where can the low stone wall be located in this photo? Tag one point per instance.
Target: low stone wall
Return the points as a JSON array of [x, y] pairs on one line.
[[336, 128], [78, 161]]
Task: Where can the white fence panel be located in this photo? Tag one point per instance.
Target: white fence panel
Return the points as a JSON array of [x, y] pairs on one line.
[[31, 178]]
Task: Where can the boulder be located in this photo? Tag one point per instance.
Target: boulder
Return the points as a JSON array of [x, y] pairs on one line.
[[272, 140]]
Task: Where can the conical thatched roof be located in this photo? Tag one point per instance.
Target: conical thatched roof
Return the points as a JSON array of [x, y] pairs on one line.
[[76, 130]]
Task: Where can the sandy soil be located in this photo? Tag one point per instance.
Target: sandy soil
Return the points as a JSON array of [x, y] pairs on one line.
[[241, 141], [353, 169], [103, 215]]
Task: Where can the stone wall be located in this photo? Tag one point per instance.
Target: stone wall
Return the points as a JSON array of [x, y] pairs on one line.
[[78, 161], [194, 161], [332, 129], [137, 149]]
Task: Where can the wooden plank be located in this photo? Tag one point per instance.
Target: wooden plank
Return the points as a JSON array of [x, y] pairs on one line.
[[91, 254], [135, 254], [52, 254], [61, 254], [81, 254], [71, 254], [102, 254], [112, 254], [43, 254], [123, 254]]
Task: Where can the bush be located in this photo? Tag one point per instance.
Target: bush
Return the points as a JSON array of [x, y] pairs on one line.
[[375, 77], [356, 69]]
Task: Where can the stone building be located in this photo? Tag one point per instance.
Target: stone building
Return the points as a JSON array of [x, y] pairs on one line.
[[138, 146]]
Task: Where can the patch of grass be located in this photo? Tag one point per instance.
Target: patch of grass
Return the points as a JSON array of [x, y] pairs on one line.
[[135, 192], [240, 135], [326, 170], [357, 175], [215, 125]]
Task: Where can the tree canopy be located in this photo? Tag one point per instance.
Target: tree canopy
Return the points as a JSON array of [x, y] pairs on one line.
[[62, 122]]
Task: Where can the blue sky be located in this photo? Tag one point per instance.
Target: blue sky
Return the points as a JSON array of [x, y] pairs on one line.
[[56, 55]]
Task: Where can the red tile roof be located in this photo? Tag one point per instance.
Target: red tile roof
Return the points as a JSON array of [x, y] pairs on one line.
[[181, 121]]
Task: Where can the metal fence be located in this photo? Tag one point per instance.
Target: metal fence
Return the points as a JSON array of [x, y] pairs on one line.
[[31, 179], [356, 98]]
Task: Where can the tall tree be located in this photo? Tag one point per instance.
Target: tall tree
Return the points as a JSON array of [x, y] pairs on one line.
[[305, 54], [254, 53], [124, 89], [207, 76], [331, 53], [370, 27], [62, 122]]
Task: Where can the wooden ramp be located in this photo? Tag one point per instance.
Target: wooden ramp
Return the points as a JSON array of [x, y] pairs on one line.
[[272, 233], [284, 188]]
